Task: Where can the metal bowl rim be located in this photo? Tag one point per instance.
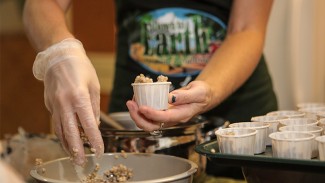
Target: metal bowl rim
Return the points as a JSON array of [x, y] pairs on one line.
[[188, 173]]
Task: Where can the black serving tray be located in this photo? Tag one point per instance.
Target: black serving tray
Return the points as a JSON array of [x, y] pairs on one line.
[[264, 160]]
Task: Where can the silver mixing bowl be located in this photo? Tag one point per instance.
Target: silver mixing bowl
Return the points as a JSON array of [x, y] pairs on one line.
[[147, 168]]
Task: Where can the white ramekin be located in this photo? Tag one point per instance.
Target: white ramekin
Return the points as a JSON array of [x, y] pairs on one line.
[[316, 130], [321, 147], [236, 140], [287, 113], [273, 121], [154, 95], [294, 145], [262, 132], [297, 122], [312, 111], [310, 105]]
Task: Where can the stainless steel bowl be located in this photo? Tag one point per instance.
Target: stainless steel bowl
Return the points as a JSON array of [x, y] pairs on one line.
[[177, 141], [147, 168]]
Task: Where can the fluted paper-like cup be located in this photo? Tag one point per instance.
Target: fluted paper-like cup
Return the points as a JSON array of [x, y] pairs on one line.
[[154, 95], [293, 145], [236, 140], [261, 136], [321, 147], [273, 121], [316, 130]]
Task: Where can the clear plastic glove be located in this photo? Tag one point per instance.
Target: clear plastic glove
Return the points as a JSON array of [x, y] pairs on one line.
[[186, 102], [9, 174], [72, 95]]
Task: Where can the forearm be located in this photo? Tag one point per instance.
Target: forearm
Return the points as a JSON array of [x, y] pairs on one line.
[[232, 64], [45, 22]]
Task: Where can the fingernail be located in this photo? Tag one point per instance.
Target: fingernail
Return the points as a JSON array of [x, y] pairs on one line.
[[130, 106], [173, 99]]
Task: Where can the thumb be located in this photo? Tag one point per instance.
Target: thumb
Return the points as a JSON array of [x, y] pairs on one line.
[[194, 92]]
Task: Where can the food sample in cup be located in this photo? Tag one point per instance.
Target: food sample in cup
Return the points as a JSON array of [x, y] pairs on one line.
[[162, 78], [150, 93], [143, 79]]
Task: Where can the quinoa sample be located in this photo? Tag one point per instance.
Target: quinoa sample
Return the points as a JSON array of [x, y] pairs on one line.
[[118, 173], [162, 78], [143, 79]]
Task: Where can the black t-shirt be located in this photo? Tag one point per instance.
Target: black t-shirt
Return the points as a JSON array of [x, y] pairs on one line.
[[176, 39]]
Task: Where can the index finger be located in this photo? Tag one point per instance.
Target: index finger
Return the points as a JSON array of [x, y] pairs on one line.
[[89, 124]]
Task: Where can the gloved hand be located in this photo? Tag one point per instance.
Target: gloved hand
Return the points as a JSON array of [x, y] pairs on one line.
[[72, 95]]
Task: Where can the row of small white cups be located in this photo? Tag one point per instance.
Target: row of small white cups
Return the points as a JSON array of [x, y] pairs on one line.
[[279, 123], [314, 113], [288, 144], [250, 138]]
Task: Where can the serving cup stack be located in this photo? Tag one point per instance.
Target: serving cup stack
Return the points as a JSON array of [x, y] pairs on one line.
[[262, 132]]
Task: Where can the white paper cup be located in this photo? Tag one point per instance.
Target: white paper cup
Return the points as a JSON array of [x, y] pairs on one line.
[[236, 140], [312, 112], [321, 123], [154, 95], [262, 132], [297, 122], [321, 147], [310, 105], [273, 121], [320, 115], [316, 130], [294, 145], [287, 113]]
